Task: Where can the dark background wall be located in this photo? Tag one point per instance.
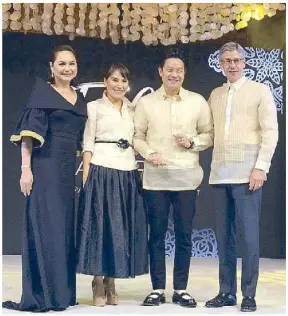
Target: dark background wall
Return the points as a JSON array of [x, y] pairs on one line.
[[26, 56]]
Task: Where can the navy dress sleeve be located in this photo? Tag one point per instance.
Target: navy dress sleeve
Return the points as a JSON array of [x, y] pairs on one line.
[[33, 123]]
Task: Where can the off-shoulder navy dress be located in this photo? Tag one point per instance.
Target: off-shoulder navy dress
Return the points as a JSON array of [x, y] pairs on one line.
[[48, 244]]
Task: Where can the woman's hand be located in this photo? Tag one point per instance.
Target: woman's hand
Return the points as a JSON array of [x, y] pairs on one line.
[[87, 155], [85, 175], [26, 181]]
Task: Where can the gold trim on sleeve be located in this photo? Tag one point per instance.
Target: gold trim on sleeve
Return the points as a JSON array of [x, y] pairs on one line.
[[16, 138]]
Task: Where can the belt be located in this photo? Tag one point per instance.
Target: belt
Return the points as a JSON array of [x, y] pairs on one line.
[[122, 143]]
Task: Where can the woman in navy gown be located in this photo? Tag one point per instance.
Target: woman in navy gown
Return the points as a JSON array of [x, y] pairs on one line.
[[49, 132]]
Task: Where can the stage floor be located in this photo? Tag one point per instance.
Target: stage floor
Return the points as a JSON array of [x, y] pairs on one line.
[[203, 285]]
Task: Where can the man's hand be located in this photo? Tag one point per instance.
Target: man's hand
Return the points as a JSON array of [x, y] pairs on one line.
[[156, 159], [257, 178], [182, 140]]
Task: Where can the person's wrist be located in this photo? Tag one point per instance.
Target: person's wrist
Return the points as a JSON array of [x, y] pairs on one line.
[[190, 144], [150, 156], [259, 169]]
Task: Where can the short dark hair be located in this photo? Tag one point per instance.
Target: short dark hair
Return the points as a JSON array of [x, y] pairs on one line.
[[118, 67], [174, 52], [53, 56]]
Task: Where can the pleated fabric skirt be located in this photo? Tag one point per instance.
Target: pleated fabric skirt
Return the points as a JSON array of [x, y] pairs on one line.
[[112, 228]]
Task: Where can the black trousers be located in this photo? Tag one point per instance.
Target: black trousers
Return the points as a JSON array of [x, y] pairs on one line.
[[235, 203], [158, 203]]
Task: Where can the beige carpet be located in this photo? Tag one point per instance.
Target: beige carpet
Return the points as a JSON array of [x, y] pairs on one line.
[[203, 285]]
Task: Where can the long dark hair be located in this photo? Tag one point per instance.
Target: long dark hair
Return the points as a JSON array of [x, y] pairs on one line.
[[55, 51]]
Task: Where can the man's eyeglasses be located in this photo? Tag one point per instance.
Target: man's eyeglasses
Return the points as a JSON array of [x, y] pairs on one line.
[[228, 62]]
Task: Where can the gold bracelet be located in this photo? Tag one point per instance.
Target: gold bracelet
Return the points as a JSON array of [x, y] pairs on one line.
[[25, 166]]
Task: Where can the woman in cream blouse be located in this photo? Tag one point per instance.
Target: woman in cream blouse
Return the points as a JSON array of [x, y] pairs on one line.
[[112, 227]]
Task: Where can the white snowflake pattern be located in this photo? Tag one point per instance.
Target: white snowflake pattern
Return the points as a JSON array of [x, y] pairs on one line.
[[267, 64]]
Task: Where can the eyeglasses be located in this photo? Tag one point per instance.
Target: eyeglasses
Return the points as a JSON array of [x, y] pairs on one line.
[[228, 62]]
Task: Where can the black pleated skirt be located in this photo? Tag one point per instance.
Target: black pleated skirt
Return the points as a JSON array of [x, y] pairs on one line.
[[112, 228]]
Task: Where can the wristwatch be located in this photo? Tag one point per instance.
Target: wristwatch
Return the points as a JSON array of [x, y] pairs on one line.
[[191, 144]]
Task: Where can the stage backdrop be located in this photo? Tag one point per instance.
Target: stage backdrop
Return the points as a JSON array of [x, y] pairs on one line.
[[26, 56]]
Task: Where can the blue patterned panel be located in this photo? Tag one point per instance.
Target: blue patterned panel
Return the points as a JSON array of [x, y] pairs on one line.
[[204, 243]]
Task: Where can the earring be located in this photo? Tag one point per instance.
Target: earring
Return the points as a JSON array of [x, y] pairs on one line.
[[52, 75]]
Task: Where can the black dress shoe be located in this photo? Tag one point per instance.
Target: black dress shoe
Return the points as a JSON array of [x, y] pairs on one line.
[[248, 304], [180, 299], [154, 299], [222, 299]]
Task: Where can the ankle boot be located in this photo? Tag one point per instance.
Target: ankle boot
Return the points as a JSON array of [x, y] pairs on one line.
[[111, 294], [98, 290]]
